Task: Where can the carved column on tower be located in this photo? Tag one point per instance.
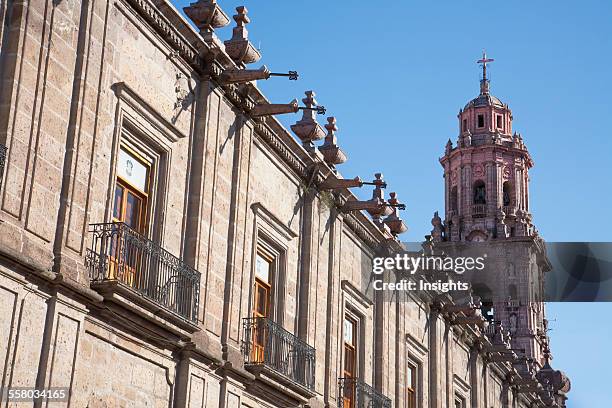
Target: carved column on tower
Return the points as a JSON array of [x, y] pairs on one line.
[[491, 182], [517, 187], [468, 194]]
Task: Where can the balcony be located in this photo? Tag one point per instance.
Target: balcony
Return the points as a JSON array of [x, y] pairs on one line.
[[354, 393], [267, 346], [509, 210], [121, 256], [2, 161], [490, 330], [513, 304], [479, 210]]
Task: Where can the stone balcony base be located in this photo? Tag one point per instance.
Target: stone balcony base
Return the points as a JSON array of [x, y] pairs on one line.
[[120, 297]]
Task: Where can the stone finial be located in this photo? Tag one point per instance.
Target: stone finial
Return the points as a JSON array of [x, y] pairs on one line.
[[239, 48], [393, 221], [206, 15], [307, 129], [332, 153], [378, 196], [438, 229], [241, 20], [449, 147]]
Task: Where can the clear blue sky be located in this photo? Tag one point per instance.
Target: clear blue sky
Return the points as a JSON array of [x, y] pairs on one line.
[[395, 75]]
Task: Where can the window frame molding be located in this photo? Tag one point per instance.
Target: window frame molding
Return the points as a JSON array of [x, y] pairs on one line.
[[461, 389], [140, 128], [417, 354], [273, 237], [484, 121], [359, 308], [359, 344]]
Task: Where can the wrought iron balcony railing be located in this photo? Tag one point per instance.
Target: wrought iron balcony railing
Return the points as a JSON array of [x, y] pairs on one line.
[[266, 343], [490, 330], [509, 210], [513, 303], [2, 161], [354, 393], [120, 254], [479, 210]]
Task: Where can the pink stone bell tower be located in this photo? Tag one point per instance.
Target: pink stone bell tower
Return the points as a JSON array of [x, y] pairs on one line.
[[486, 173], [486, 185]]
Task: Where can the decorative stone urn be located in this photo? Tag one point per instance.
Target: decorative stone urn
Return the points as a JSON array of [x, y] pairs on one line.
[[307, 129], [239, 48], [378, 197], [393, 221], [332, 154], [206, 15]]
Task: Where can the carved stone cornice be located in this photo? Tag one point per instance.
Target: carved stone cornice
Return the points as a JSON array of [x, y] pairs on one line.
[[281, 149], [355, 225], [168, 32]]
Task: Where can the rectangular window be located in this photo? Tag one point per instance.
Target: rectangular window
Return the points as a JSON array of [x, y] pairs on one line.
[[262, 300], [411, 381], [131, 207], [499, 121], [350, 358], [480, 121], [464, 125], [132, 190]]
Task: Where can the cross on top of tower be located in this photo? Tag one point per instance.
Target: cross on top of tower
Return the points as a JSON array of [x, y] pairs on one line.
[[484, 60], [484, 82]]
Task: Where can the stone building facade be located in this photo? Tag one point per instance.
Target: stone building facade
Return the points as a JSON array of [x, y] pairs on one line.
[[166, 242]]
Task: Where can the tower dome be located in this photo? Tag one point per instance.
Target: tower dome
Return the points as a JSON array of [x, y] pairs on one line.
[[485, 114], [484, 100]]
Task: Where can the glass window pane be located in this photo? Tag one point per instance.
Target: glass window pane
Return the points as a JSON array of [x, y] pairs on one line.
[[349, 362], [261, 300], [262, 268], [118, 203], [349, 329], [410, 377], [132, 170], [132, 212]]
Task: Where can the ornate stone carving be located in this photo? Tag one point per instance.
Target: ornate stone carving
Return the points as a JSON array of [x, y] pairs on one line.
[[507, 172]]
